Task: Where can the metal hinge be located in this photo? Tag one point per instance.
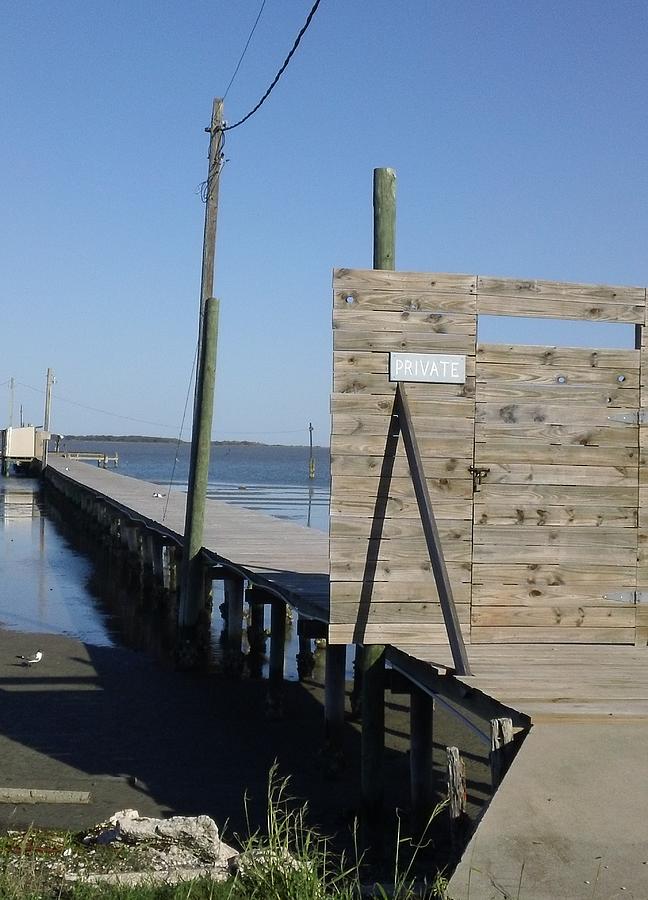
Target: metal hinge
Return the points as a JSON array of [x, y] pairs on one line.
[[627, 596], [637, 417]]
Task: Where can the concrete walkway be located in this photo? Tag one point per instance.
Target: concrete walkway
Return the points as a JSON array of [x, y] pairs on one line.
[[569, 822]]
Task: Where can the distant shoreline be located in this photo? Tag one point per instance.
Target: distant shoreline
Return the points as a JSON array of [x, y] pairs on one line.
[[146, 439]]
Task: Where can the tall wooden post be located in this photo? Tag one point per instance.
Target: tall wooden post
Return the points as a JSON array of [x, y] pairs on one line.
[[191, 587], [212, 186], [373, 658], [421, 765], [46, 417]]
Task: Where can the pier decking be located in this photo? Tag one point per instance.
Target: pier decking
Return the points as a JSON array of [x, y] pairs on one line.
[[281, 557]]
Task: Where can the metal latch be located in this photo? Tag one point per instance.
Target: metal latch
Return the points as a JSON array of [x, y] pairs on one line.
[[627, 596], [637, 417], [478, 474]]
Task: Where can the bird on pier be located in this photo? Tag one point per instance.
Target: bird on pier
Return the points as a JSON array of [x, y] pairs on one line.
[[31, 660]]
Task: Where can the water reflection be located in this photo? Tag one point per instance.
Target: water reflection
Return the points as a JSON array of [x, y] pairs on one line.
[[43, 585]]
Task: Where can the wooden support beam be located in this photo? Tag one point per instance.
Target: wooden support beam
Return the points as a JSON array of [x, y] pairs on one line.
[[334, 694], [421, 763], [372, 746], [431, 532], [256, 639]]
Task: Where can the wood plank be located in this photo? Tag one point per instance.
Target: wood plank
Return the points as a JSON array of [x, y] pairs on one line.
[[416, 342], [426, 426], [543, 577], [550, 308], [404, 300], [551, 634], [351, 362], [605, 398], [402, 507], [537, 452], [373, 279], [451, 485], [432, 447], [556, 290], [455, 541], [415, 571], [566, 435], [563, 616], [359, 383], [548, 536], [532, 376], [530, 474], [358, 404], [514, 512], [584, 413], [404, 322], [556, 357], [427, 612], [571, 596], [372, 465], [394, 632], [622, 494], [519, 553], [406, 593], [345, 527]]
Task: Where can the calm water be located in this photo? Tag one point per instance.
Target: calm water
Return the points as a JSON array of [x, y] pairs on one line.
[[49, 585], [271, 479]]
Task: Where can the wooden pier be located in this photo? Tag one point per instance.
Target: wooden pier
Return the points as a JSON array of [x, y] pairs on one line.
[[487, 540]]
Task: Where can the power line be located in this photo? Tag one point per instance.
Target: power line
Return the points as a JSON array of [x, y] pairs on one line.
[[104, 412], [281, 70], [177, 449], [247, 44]]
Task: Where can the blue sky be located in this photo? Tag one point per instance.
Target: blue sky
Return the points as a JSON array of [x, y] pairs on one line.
[[517, 130]]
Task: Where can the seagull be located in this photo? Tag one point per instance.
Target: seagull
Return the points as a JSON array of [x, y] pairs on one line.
[[31, 660], [157, 494]]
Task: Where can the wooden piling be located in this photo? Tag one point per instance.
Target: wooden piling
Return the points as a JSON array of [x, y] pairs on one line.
[[457, 799], [234, 591], [191, 591], [501, 751], [421, 761], [334, 695], [277, 656], [373, 669]]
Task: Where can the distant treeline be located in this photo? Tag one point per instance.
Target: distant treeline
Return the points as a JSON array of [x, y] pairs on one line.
[[146, 439]]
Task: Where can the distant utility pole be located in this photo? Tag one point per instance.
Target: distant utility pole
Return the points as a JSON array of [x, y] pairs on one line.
[[311, 459], [191, 596], [48, 406], [11, 401]]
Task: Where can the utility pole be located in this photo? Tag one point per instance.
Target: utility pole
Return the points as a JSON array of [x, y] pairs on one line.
[[46, 418], [11, 401], [191, 595], [373, 656], [192, 584]]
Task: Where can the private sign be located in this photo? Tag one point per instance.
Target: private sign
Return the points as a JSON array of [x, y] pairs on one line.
[[436, 368]]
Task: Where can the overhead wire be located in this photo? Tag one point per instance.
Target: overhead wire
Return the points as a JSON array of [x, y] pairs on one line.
[[247, 44], [282, 69], [177, 449], [104, 412]]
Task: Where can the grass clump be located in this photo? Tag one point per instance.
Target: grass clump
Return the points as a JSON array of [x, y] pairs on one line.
[[289, 861]]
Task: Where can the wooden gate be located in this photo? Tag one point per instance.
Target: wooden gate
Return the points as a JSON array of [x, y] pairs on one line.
[[533, 466]]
